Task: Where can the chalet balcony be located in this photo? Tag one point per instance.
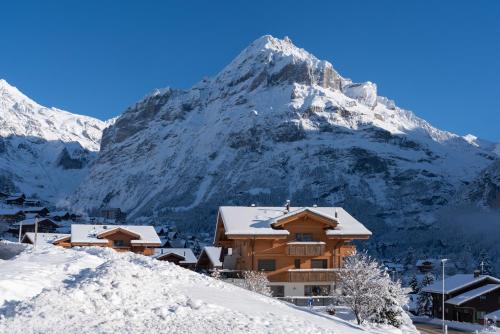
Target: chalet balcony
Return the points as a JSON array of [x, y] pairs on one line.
[[312, 275], [305, 248]]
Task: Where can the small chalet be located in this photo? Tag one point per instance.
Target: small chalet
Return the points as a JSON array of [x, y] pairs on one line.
[[11, 215], [123, 238], [493, 318], [15, 199], [41, 211], [45, 225], [467, 298], [209, 259], [45, 238], [427, 265], [183, 257], [32, 202], [299, 248], [62, 215]]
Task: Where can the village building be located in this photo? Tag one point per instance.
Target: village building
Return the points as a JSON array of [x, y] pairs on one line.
[[41, 211], [11, 215], [493, 318], [115, 214], [3, 195], [44, 238], [467, 297], [183, 257], [32, 202], [209, 259], [427, 265], [15, 199], [299, 248], [45, 225], [60, 216], [139, 239]]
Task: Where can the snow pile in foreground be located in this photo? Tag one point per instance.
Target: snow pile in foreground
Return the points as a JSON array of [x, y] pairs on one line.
[[128, 293]]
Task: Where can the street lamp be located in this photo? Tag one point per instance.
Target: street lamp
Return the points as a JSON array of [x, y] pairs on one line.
[[443, 261]]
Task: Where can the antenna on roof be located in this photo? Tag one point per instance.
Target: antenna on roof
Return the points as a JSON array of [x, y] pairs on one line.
[[287, 206]]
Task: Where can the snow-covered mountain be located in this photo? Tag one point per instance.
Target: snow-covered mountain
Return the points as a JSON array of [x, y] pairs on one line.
[[277, 123], [43, 151]]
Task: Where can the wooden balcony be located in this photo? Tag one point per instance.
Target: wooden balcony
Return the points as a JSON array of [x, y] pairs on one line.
[[311, 248], [311, 275]]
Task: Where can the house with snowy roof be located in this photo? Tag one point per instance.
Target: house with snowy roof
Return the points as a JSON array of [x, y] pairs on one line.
[[45, 225], [15, 199], [140, 239], [11, 215], [41, 211], [183, 257], [44, 238], [209, 259], [299, 248], [467, 297]]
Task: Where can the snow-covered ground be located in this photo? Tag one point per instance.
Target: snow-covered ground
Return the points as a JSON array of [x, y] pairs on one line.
[[56, 290]]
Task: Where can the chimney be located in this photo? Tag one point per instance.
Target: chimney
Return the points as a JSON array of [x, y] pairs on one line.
[[315, 205], [477, 273], [336, 214], [287, 205]]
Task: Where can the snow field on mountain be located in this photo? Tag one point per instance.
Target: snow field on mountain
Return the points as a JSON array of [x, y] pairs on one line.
[[100, 291]]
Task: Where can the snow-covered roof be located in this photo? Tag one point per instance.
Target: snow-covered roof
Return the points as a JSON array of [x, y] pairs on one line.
[[32, 221], [88, 234], [427, 261], [213, 254], [9, 212], [466, 296], [186, 253], [35, 209], [253, 220], [456, 282], [493, 314], [59, 213], [44, 238]]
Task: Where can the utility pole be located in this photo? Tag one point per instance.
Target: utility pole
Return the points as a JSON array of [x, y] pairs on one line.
[[20, 230], [445, 329], [36, 231]]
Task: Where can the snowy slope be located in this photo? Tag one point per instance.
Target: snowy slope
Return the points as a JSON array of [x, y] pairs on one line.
[[43, 151], [277, 123], [128, 293]]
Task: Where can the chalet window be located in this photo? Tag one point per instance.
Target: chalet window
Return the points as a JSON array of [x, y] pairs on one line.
[[266, 265], [303, 237], [319, 264], [316, 290], [297, 263], [277, 290], [118, 243]]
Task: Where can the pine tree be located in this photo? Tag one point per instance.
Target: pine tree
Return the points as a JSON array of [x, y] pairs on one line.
[[424, 299], [391, 311], [484, 263], [414, 284]]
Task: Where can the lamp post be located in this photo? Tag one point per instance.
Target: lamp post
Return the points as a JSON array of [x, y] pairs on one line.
[[443, 261], [36, 232]]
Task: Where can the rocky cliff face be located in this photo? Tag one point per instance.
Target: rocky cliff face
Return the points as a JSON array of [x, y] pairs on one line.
[[277, 124], [43, 151]]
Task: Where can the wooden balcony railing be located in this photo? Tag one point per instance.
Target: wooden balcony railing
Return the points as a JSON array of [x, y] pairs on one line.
[[298, 248], [311, 275]]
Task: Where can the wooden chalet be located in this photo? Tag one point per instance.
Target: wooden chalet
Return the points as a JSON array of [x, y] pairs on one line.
[[122, 238], [299, 248], [41, 211], [15, 199], [45, 225], [32, 202], [11, 215], [467, 298], [209, 259], [183, 257]]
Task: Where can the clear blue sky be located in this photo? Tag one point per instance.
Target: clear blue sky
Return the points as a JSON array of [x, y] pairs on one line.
[[440, 59]]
